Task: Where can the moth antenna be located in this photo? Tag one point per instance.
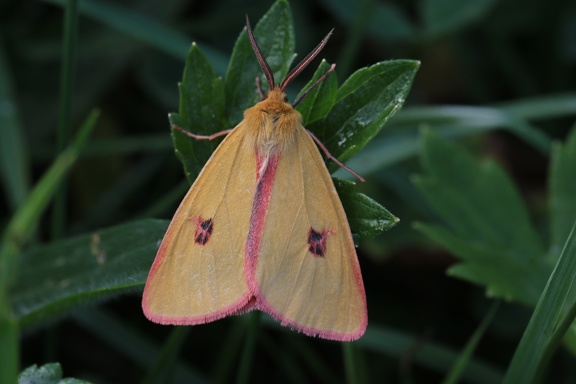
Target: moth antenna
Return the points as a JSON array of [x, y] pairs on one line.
[[263, 63], [305, 61], [317, 83]]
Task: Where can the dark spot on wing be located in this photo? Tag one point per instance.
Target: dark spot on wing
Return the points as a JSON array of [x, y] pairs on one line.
[[317, 241], [203, 230]]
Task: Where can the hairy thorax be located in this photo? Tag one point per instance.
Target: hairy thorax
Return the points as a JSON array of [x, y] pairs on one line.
[[274, 122]]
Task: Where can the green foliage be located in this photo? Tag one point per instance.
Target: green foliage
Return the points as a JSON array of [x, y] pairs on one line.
[[367, 218], [366, 100], [562, 186], [479, 83], [485, 223], [201, 111], [70, 272], [318, 103], [552, 318], [46, 374]]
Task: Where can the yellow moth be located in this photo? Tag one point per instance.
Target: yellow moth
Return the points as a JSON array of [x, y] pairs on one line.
[[262, 227]]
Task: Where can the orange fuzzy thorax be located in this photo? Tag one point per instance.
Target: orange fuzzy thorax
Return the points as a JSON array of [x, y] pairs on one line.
[[274, 121]]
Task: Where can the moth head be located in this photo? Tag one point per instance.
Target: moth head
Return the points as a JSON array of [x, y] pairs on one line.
[[294, 72]]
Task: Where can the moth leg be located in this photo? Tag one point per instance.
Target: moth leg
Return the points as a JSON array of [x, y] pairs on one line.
[[329, 156], [201, 137]]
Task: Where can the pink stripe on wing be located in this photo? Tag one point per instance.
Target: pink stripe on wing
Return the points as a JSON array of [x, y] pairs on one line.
[[266, 170]]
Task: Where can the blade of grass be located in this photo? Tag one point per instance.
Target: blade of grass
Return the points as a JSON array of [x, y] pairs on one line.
[[401, 142], [465, 117], [143, 143], [552, 317], [351, 364], [542, 107], [167, 357], [9, 346], [67, 74], [14, 158], [248, 352], [467, 354]]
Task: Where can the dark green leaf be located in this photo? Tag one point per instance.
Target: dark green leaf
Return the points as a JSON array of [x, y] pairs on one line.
[[320, 100], [201, 111], [485, 222], [367, 218], [66, 273], [562, 193], [363, 105], [275, 36], [47, 374], [477, 200], [492, 266]]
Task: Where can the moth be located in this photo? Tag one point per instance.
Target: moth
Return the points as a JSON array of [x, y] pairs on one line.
[[262, 227]]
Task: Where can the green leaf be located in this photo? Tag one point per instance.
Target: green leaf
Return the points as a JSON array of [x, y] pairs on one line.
[[492, 266], [485, 222], [64, 274], [367, 218], [321, 99], [555, 312], [478, 201], [47, 374], [363, 105], [201, 112], [562, 184], [275, 35], [446, 16]]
